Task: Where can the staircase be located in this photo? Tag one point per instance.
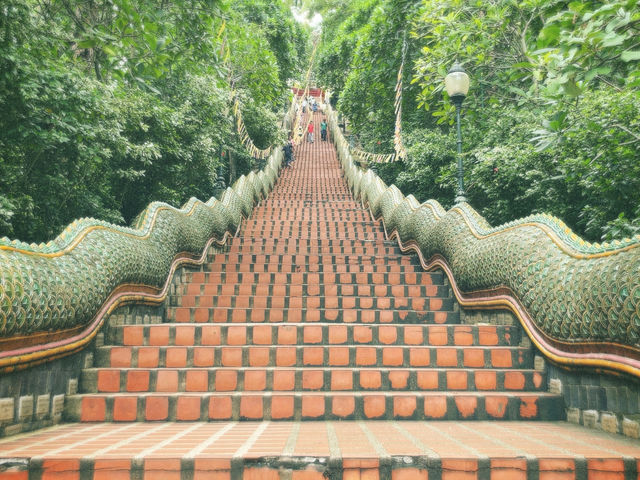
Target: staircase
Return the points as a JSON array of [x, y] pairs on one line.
[[278, 355]]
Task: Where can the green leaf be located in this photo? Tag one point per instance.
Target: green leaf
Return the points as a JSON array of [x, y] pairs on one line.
[[630, 55]]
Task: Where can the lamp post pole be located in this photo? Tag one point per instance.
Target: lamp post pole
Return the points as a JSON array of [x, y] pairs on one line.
[[457, 86], [460, 195]]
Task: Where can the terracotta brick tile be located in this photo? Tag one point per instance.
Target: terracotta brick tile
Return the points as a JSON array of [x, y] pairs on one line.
[[138, 381], [282, 407], [501, 358], [374, 406], [203, 357], [343, 406], [404, 406], [197, 381], [255, 380], [382, 290], [349, 316], [312, 334], [392, 356], [211, 335], [463, 336], [438, 335], [387, 334], [226, 380], [287, 335], [341, 380], [156, 408], [466, 405], [440, 317], [93, 409], [312, 379], [338, 356], [111, 469], [120, 357], [473, 358], [239, 315], [419, 357], [456, 380], [459, 469], [176, 357], [286, 356], [231, 356], [370, 379], [349, 303], [133, 335], [260, 473], [109, 380], [167, 381], [418, 303], [488, 335], [237, 335], [258, 315], [185, 335], [312, 406], [284, 380], [435, 406], [202, 314], [427, 379], [447, 357], [413, 335], [259, 356], [337, 334], [514, 380], [409, 474], [496, 406], [399, 379], [528, 407], [383, 303], [59, 469], [367, 316], [220, 408], [148, 357], [386, 316], [362, 334], [486, 380], [188, 408], [125, 409], [313, 356], [182, 315], [330, 315], [508, 469]]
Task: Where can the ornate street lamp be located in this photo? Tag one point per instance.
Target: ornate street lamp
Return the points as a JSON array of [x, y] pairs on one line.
[[457, 84]]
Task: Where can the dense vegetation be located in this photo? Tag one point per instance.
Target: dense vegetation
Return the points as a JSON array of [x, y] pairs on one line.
[[107, 105], [552, 120]]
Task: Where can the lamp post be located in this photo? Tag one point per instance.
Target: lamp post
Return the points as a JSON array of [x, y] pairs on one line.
[[457, 84]]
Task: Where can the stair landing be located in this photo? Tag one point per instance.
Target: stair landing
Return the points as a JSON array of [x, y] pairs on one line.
[[399, 450]]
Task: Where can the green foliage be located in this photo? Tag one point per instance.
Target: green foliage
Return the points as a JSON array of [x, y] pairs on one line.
[[550, 123], [107, 106]]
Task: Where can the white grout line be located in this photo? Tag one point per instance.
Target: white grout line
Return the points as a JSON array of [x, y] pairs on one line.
[[251, 440], [290, 446], [210, 441], [85, 440], [128, 440]]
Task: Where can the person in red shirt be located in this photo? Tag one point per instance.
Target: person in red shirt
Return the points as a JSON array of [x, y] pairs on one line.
[[310, 132]]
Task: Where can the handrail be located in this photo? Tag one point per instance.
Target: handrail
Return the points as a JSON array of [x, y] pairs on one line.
[[578, 302], [54, 297]]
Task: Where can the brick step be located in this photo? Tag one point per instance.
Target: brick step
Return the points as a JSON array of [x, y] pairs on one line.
[[316, 278], [316, 334], [314, 356], [335, 290], [247, 267], [416, 450], [363, 249], [302, 259], [418, 304], [313, 235], [296, 315], [129, 407], [299, 224], [314, 242], [245, 379]]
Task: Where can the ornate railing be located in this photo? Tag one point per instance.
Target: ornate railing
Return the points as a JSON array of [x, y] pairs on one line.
[[578, 302], [54, 297]]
